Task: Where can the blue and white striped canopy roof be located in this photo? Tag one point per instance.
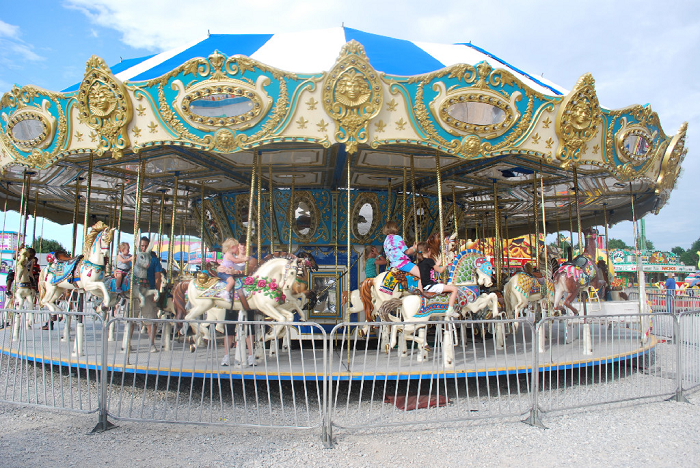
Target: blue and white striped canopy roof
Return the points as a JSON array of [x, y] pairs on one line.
[[316, 51]]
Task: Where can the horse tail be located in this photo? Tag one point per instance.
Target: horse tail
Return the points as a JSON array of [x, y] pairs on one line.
[[507, 292], [179, 301], [366, 296], [392, 305]]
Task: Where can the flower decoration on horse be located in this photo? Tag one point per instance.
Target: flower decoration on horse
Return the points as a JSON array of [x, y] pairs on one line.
[[262, 285]]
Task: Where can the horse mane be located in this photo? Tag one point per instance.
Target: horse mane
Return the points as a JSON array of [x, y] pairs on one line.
[[97, 228], [275, 255]]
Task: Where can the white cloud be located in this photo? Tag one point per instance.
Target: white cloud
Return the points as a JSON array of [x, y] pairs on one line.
[[8, 30]]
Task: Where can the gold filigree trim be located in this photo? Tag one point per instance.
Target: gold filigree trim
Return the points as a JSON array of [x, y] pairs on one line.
[[578, 119], [373, 200]]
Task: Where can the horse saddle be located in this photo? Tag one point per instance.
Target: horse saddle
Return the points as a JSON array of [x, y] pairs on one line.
[[578, 262], [64, 270]]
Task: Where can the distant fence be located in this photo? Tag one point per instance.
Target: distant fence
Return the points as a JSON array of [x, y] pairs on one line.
[[401, 374]]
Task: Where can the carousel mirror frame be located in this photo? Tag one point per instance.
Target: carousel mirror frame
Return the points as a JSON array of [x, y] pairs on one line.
[[362, 199], [314, 213], [332, 274]]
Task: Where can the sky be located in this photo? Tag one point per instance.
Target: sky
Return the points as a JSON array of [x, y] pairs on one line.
[[639, 52]]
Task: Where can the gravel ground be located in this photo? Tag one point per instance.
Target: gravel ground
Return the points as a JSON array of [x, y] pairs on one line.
[[633, 434]]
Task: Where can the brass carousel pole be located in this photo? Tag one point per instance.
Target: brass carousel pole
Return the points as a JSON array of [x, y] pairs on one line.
[[556, 204], [250, 208], [507, 247], [388, 200], [454, 211], [183, 226], [202, 251], [112, 223], [171, 241], [403, 198], [498, 250], [36, 204], [544, 230], [578, 212], [21, 213], [290, 214], [26, 205], [416, 230], [121, 213], [150, 217], [347, 271], [605, 220], [571, 229], [43, 218], [76, 207], [638, 255], [161, 222], [258, 226], [442, 224], [137, 216], [88, 195], [537, 226], [273, 219]]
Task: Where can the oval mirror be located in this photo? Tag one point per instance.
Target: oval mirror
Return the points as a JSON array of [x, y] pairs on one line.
[[476, 113], [364, 221], [28, 129], [221, 105], [302, 216], [243, 217], [636, 145]]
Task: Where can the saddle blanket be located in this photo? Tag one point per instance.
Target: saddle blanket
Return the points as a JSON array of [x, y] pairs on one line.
[[61, 270]]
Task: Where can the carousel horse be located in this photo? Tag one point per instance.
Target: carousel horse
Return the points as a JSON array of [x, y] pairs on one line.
[[469, 270], [582, 272], [23, 289], [391, 284], [525, 287], [84, 272], [264, 292], [147, 297]]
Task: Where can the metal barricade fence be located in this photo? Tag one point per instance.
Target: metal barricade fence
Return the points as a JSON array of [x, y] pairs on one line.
[[689, 349], [39, 368], [468, 373], [604, 359], [202, 383]]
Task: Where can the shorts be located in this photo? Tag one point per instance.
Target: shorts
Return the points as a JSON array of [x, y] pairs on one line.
[[224, 276], [407, 267], [232, 315], [436, 288]]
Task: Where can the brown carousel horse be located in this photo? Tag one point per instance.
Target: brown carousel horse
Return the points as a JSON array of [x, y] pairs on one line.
[[581, 272]]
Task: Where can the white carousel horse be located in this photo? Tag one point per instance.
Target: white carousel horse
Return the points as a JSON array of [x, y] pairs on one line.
[[523, 288], [85, 272], [23, 290], [264, 292], [469, 270]]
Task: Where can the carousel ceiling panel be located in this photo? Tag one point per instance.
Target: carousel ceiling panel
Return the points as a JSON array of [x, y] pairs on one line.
[[397, 161], [218, 183]]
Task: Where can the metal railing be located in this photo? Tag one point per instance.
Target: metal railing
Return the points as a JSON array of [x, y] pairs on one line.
[[306, 378]]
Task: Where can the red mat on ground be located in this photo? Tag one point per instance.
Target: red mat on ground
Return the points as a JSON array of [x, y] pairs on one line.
[[411, 402]]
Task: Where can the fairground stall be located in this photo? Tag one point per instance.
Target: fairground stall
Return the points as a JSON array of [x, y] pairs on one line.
[[312, 141]]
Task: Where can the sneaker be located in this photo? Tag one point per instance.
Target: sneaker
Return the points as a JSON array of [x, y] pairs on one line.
[[226, 295], [251, 360], [226, 361]]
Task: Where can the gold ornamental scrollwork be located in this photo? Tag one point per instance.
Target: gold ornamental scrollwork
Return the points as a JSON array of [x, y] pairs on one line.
[[105, 106], [671, 163], [42, 133], [352, 95], [578, 119]]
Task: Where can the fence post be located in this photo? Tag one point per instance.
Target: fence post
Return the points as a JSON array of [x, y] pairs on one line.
[[327, 426], [534, 418], [102, 423], [679, 360]]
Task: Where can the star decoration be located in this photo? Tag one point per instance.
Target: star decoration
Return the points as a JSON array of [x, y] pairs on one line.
[[302, 122], [322, 126], [311, 103], [380, 126], [596, 148], [153, 127], [93, 136]]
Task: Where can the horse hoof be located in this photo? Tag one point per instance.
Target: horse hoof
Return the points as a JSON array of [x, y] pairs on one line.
[[193, 348], [154, 349], [386, 348], [489, 316]]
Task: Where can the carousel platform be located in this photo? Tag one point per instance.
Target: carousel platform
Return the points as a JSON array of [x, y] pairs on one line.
[[344, 358]]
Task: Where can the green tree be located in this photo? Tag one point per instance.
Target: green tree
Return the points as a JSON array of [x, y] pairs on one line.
[[47, 245], [650, 245], [690, 256], [678, 251], [617, 244]]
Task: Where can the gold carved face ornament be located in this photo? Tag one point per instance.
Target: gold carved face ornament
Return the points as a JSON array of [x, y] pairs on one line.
[[352, 90], [581, 115], [101, 100]]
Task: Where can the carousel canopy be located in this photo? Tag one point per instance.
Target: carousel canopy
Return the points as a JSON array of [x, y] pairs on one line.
[[298, 110]]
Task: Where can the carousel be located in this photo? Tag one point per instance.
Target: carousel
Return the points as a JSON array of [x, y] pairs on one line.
[[306, 145]]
